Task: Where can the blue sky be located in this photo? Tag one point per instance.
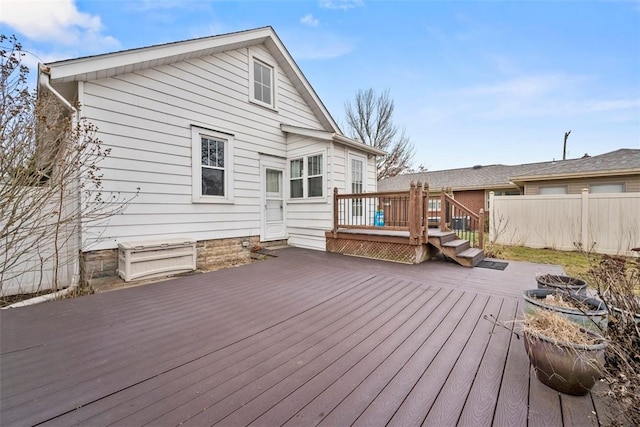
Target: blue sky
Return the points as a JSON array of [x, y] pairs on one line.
[[474, 82]]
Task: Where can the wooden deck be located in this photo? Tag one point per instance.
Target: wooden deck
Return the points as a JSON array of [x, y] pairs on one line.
[[307, 338]]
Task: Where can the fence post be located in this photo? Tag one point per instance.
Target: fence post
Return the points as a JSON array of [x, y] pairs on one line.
[[492, 211], [585, 220], [335, 212]]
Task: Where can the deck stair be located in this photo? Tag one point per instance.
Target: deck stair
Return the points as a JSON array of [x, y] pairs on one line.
[[452, 247]]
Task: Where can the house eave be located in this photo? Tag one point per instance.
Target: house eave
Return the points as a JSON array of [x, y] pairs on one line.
[[478, 187], [575, 175], [331, 136]]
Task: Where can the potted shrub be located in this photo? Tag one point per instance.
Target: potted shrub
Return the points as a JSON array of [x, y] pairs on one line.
[[564, 355]]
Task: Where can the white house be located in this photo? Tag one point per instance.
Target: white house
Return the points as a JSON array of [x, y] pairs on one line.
[[225, 137]]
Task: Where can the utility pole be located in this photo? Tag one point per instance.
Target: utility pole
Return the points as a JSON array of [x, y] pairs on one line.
[[564, 149]]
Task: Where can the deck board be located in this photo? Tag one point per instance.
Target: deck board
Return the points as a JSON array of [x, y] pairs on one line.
[[305, 338]]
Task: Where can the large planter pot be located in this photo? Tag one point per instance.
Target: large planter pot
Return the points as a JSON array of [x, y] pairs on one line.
[[594, 317], [564, 283], [566, 367]]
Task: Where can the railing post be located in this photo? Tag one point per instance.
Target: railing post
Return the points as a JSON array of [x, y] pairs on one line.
[[425, 213], [335, 212], [481, 229], [417, 228], [412, 213], [443, 210]]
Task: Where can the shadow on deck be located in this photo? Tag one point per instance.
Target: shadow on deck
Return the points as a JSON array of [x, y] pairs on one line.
[[305, 338]]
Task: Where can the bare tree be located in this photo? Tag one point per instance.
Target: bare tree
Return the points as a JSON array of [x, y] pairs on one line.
[[50, 182], [370, 120]]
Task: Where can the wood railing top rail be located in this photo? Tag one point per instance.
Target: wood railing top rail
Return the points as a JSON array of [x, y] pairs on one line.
[[376, 194], [461, 206]]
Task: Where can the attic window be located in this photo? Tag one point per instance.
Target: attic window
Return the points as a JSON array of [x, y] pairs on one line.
[[262, 78]]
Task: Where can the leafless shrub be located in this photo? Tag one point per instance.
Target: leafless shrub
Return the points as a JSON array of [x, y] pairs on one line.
[[617, 280], [50, 181]]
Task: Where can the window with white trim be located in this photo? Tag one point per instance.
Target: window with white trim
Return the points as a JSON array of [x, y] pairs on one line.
[[262, 82], [606, 188], [212, 166], [553, 189], [306, 177]]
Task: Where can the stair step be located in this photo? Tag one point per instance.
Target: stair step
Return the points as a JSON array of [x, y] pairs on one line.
[[440, 233], [457, 243], [471, 257], [470, 253]]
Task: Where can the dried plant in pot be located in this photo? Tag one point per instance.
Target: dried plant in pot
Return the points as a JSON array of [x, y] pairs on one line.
[[590, 313], [565, 356], [563, 283]]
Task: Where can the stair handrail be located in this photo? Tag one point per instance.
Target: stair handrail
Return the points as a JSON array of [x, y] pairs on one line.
[[478, 218]]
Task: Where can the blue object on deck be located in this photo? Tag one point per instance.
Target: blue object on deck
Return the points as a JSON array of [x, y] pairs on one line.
[[378, 219]]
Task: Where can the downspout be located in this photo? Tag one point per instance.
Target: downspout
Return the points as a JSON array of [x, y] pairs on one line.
[[44, 81]]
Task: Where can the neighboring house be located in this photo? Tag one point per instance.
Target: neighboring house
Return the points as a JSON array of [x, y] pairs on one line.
[[226, 139], [616, 171]]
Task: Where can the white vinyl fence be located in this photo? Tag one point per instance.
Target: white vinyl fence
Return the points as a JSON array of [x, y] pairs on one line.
[[37, 255], [600, 223]]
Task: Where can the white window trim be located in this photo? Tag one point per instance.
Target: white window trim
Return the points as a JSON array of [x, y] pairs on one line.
[[253, 57], [623, 185], [542, 188], [305, 179], [196, 166], [363, 159]]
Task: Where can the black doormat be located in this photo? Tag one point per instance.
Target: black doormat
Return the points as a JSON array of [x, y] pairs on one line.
[[493, 265]]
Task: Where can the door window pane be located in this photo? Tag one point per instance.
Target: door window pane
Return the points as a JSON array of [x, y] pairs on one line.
[[273, 181]]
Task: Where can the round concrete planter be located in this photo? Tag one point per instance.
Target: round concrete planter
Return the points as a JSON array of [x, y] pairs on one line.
[[593, 318], [566, 367], [564, 283]]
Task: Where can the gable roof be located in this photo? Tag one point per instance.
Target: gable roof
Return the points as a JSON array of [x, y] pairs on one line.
[[112, 64], [625, 161], [619, 162]]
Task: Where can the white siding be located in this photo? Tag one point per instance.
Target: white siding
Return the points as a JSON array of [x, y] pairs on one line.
[[146, 118], [309, 220]]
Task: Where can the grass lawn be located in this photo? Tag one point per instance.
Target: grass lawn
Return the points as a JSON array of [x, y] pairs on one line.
[[575, 264]]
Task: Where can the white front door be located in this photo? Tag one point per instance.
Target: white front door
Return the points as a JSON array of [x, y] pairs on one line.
[[273, 203]]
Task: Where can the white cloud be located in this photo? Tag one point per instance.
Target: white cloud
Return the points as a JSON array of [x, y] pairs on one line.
[[525, 86], [309, 20], [320, 47], [341, 4], [57, 21]]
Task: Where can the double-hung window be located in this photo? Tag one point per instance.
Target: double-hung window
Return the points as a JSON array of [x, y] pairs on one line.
[[212, 166], [306, 177], [262, 80]]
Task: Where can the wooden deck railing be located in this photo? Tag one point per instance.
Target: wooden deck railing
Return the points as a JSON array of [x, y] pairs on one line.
[[391, 211], [458, 218]]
